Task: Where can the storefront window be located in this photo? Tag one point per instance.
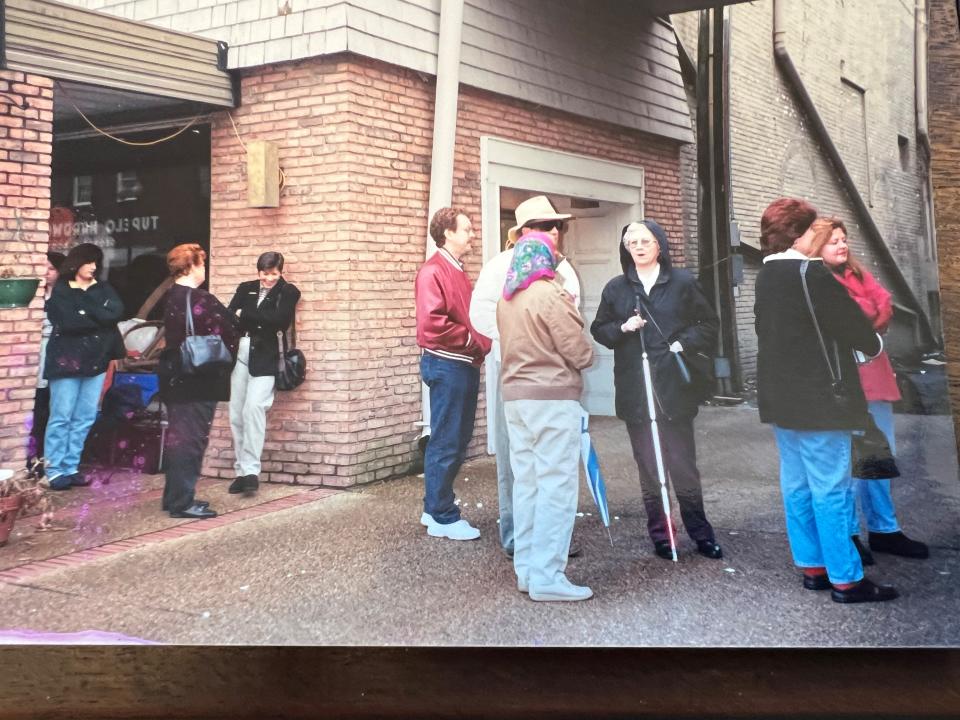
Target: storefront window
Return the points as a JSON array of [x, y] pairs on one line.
[[134, 202]]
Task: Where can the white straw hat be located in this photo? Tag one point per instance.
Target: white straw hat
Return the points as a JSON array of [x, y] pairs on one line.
[[536, 209]]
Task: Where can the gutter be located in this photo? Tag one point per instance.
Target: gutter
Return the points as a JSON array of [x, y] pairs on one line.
[[444, 142], [786, 65]]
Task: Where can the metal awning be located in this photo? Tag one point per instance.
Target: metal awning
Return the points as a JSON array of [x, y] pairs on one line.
[[83, 46]]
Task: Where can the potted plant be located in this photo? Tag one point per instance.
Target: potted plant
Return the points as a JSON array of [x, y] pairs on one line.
[[22, 493], [18, 286]]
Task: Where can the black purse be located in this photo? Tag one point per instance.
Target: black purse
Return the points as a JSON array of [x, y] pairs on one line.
[[696, 368], [870, 454], [202, 354], [291, 364]]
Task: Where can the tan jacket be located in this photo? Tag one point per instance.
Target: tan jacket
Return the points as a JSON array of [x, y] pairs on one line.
[[542, 344]]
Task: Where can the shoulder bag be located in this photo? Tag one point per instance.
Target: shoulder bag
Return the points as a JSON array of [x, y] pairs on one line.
[[291, 363], [871, 457], [696, 368], [202, 354]]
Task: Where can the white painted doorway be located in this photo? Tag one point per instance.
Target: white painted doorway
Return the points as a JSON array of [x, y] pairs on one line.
[[602, 195]]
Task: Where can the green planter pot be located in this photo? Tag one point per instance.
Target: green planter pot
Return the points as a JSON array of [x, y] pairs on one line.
[[17, 292]]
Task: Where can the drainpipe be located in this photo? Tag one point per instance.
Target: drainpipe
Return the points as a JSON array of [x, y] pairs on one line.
[[785, 62], [444, 140]]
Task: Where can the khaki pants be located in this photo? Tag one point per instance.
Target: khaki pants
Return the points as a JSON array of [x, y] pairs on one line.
[[545, 457], [250, 398]]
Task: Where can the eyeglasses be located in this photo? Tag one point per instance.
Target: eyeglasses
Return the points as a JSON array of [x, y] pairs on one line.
[[548, 225], [634, 243]]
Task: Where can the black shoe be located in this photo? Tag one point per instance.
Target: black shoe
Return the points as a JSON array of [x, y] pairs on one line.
[[61, 482], [866, 557], [79, 480], [198, 503], [709, 549], [246, 484], [865, 591], [816, 582], [896, 543], [662, 549], [195, 512]]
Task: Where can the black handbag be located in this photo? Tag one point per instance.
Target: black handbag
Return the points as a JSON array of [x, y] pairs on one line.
[[696, 368], [871, 457], [202, 354], [291, 364]]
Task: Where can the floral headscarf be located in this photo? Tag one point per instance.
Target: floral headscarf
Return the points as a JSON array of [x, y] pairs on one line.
[[533, 258]]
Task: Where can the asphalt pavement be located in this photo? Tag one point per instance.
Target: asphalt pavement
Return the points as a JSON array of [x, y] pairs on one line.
[[356, 567]]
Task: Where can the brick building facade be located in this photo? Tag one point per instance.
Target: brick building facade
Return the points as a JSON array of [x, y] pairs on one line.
[[355, 136], [25, 147], [347, 94]]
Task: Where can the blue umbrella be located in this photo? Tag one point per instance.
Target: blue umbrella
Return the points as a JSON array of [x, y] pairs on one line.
[[594, 478]]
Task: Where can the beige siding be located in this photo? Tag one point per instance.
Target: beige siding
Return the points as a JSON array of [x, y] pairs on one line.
[[605, 61]]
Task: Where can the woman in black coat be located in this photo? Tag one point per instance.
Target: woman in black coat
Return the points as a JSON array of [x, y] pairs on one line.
[[811, 394], [265, 308], [191, 399], [83, 314], [668, 307]]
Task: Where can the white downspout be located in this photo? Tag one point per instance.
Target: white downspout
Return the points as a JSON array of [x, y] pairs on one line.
[[444, 137]]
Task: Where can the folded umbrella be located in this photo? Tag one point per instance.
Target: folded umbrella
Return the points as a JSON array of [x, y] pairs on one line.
[[591, 466]]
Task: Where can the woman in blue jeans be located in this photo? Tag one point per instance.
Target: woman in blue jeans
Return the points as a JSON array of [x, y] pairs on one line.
[[83, 314], [813, 415]]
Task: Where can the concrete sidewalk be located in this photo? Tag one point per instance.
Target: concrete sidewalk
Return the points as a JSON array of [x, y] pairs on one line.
[[357, 568]]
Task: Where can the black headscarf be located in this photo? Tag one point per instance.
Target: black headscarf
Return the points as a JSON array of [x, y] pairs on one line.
[[626, 260]]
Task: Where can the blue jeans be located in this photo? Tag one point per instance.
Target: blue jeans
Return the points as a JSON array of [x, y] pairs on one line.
[[876, 502], [453, 406], [73, 408], [818, 498]]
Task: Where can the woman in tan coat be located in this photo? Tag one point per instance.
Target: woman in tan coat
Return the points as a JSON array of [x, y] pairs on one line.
[[543, 349]]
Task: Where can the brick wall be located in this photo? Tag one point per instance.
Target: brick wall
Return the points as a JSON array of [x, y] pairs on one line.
[[355, 140], [25, 147]]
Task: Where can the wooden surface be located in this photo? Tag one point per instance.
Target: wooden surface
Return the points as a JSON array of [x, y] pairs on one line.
[[197, 682]]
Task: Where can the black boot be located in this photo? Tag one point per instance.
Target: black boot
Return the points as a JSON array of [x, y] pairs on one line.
[[866, 558], [896, 543]]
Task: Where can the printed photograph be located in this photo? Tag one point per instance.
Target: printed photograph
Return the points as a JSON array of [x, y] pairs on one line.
[[472, 323]]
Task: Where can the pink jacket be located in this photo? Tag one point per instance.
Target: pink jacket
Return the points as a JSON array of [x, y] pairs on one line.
[[876, 376]]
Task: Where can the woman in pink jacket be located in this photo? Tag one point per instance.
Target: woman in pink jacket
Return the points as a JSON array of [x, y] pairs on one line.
[[879, 386]]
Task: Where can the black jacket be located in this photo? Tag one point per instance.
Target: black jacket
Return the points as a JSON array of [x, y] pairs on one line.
[[210, 317], [84, 338], [793, 382], [678, 305], [262, 323]]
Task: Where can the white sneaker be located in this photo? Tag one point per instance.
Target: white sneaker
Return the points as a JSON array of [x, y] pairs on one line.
[[459, 530], [426, 520], [562, 590]]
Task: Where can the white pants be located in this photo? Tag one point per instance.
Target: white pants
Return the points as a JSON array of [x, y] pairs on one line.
[[250, 398], [545, 457]]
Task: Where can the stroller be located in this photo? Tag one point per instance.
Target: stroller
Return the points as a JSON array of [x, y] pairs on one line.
[[131, 427]]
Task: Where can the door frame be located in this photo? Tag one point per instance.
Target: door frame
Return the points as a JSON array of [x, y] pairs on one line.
[[507, 163]]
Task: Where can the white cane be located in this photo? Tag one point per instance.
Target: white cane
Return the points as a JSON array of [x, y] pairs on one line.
[[657, 451]]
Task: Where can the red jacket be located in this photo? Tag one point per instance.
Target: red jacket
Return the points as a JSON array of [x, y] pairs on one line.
[[443, 293], [876, 376]]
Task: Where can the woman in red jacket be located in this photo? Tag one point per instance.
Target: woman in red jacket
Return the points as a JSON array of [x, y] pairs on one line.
[[879, 387]]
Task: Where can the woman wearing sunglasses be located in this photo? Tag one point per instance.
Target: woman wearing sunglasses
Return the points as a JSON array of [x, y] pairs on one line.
[[665, 308]]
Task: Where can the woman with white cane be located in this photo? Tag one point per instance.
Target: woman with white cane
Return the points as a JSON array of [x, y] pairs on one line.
[[652, 317]]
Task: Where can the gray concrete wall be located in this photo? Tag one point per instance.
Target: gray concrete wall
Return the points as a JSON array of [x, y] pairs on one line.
[[856, 58]]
